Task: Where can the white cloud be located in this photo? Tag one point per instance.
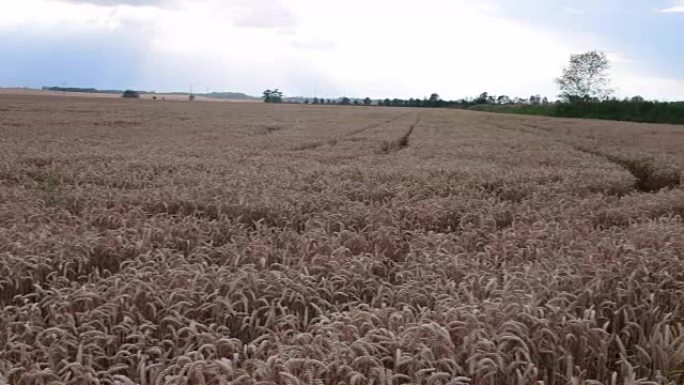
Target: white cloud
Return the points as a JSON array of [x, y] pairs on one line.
[[618, 58], [630, 77], [573, 10], [457, 48], [61, 18], [677, 7], [629, 82], [263, 14], [383, 48], [118, 2]]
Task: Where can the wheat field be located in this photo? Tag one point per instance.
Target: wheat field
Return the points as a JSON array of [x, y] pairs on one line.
[[167, 242]]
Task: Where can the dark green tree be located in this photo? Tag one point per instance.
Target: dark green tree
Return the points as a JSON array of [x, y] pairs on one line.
[[435, 100], [503, 99], [482, 99], [273, 96], [131, 94]]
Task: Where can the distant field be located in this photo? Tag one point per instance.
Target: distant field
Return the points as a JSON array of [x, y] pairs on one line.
[[168, 97], [164, 242]]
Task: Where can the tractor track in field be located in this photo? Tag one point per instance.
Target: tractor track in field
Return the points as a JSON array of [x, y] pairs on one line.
[[375, 125], [388, 147], [650, 176], [346, 137]]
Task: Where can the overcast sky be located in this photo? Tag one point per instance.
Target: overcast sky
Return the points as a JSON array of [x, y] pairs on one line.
[[377, 48]]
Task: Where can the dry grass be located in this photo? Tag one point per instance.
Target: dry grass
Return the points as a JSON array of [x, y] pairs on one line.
[[197, 243]]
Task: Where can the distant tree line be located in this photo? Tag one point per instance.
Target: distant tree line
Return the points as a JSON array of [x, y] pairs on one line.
[[585, 93], [634, 109], [434, 101], [83, 90], [214, 95]]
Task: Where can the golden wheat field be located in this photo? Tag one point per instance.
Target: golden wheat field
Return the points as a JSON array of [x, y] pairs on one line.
[[171, 242]]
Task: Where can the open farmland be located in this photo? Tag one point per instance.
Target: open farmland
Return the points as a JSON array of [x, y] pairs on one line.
[[170, 242]]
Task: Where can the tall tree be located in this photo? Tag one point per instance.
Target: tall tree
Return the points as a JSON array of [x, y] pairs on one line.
[[435, 100], [586, 78]]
